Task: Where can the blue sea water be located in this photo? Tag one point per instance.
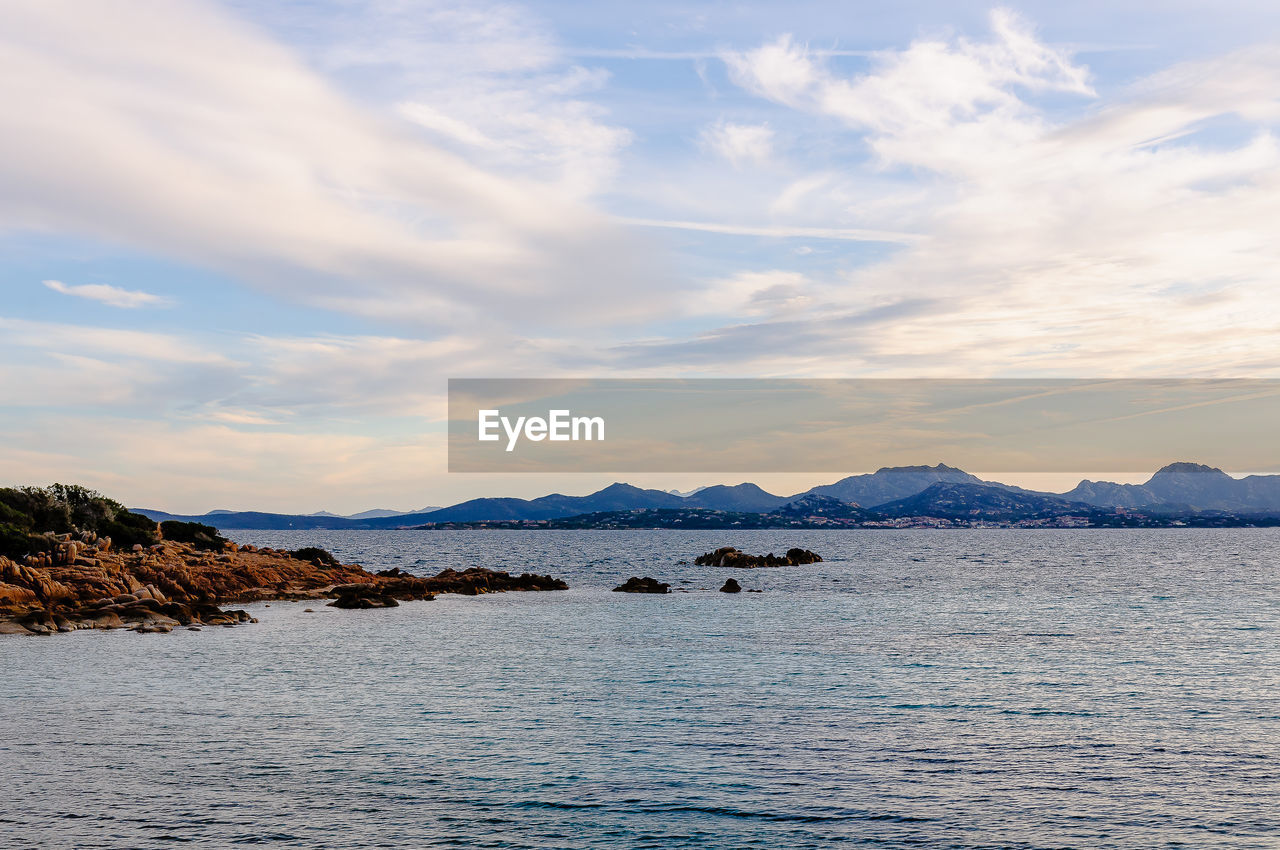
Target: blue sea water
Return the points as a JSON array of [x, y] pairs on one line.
[[935, 689]]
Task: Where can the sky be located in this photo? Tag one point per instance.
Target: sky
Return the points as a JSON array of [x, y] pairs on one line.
[[243, 246]]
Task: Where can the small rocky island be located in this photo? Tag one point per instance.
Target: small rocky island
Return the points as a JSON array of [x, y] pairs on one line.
[[635, 584], [72, 559], [728, 556]]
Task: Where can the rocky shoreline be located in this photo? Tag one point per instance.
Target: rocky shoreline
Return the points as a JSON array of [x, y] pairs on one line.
[[84, 583]]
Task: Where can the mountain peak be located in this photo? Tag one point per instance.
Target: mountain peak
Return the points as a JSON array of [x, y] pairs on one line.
[[618, 487], [1184, 467], [940, 467]]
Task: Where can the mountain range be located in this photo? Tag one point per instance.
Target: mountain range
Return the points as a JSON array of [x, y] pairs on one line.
[[941, 490]]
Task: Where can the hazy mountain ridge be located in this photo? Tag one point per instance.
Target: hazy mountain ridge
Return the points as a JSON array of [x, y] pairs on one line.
[[1186, 485], [891, 491], [955, 500], [890, 483]]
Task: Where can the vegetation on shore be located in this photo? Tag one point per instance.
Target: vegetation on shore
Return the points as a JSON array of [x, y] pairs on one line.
[[75, 559], [29, 515]]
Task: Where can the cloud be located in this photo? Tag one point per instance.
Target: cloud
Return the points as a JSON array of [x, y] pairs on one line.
[[151, 463], [740, 144], [136, 129], [935, 104], [777, 231], [112, 295], [485, 79], [772, 292], [1133, 236], [89, 339]]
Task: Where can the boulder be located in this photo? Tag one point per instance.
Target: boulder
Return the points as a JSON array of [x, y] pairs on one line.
[[642, 585], [357, 596], [731, 586]]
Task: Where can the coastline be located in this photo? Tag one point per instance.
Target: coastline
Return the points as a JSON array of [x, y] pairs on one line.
[[85, 584]]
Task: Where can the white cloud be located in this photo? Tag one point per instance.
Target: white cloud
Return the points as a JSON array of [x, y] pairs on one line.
[[1133, 237], [486, 79], [139, 129], [779, 231], [773, 293], [783, 71], [935, 104], [740, 144], [116, 342], [112, 295]]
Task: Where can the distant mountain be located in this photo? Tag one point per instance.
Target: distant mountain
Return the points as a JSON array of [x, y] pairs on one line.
[[379, 513], [256, 519], [615, 497], [815, 505], [1108, 494], [740, 497], [1192, 486], [892, 482], [1179, 488], [947, 500]]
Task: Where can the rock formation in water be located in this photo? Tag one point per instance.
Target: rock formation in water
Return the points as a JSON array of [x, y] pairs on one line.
[[392, 585], [83, 582], [728, 556], [642, 585], [731, 586]]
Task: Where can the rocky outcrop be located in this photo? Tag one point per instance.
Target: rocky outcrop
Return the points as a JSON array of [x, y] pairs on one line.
[[394, 585], [364, 596], [85, 583], [731, 586], [642, 585], [728, 556], [145, 611], [171, 584]]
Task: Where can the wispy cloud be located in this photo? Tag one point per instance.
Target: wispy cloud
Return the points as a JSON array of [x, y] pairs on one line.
[[112, 295], [1124, 237], [281, 179], [740, 144], [777, 231]]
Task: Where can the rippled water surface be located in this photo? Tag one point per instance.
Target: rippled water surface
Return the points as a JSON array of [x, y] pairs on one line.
[[925, 689]]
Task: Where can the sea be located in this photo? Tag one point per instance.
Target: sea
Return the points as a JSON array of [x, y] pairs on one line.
[[978, 688]]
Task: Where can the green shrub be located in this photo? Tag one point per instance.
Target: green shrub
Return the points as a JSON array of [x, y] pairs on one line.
[[201, 535], [29, 513], [129, 528], [36, 509], [15, 542], [315, 555]]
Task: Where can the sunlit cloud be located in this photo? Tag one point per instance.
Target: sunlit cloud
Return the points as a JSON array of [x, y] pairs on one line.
[[110, 295]]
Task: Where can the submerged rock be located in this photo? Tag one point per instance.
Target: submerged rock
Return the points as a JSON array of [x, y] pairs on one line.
[[728, 556], [642, 585]]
